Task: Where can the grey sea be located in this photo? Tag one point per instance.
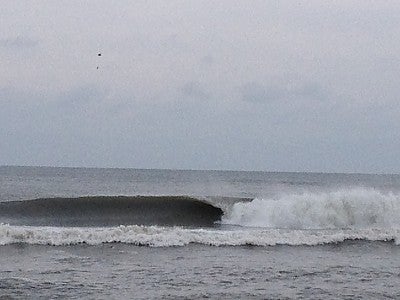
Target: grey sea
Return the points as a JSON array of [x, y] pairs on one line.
[[86, 233]]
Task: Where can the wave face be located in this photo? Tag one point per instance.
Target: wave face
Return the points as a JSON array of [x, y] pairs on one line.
[[156, 236], [352, 208], [308, 218], [111, 211]]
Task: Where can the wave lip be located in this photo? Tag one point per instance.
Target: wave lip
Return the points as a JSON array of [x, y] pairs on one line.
[[342, 209], [111, 211]]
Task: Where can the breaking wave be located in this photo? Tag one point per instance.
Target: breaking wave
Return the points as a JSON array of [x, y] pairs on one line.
[[111, 211], [308, 218], [343, 209]]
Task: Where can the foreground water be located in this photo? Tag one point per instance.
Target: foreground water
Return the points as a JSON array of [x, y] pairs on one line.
[[351, 270], [207, 234]]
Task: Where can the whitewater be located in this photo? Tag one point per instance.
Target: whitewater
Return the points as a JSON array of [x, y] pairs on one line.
[[79, 233], [163, 237], [292, 219], [341, 209]]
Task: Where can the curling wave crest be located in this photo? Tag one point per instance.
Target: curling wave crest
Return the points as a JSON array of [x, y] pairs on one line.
[[353, 208], [155, 236]]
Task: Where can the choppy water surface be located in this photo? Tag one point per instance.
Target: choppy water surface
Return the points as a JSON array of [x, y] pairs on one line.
[[67, 232], [352, 270]]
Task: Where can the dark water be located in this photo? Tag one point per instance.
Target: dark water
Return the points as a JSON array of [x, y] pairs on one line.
[[119, 271], [67, 233], [107, 211]]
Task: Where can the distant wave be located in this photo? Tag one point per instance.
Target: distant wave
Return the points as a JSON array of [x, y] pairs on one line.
[[111, 211], [156, 236], [340, 209]]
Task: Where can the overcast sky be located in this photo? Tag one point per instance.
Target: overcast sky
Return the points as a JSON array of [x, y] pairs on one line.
[[243, 85]]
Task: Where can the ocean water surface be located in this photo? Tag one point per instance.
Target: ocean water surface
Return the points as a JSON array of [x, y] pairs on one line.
[[167, 234]]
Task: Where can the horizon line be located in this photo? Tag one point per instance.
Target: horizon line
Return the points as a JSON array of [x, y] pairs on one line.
[[199, 170]]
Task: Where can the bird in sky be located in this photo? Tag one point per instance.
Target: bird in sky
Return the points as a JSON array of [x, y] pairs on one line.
[[99, 54]]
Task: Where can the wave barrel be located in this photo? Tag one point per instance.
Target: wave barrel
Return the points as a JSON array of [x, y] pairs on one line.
[[111, 211]]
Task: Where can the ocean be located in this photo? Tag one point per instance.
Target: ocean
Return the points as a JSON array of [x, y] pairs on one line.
[[88, 233]]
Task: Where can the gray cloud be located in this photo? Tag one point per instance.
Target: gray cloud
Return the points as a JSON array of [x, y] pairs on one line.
[[18, 43], [255, 92], [207, 60], [265, 85], [194, 90]]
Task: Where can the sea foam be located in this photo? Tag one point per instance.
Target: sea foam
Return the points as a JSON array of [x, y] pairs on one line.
[[312, 218], [155, 236], [340, 209]]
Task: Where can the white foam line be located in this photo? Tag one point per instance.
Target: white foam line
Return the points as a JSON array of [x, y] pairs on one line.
[[175, 236]]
